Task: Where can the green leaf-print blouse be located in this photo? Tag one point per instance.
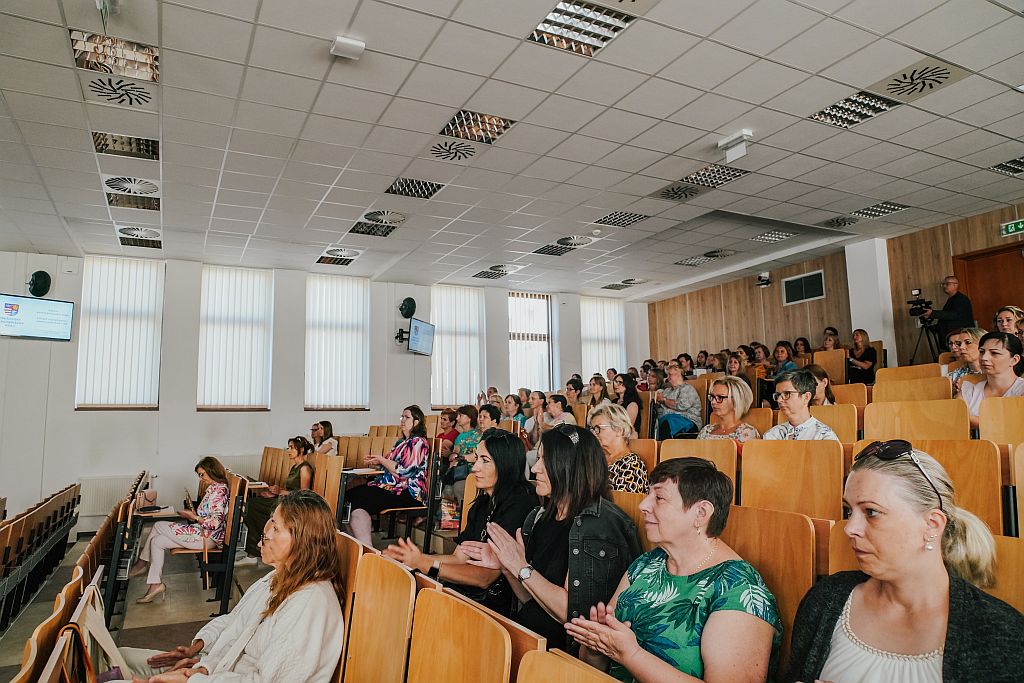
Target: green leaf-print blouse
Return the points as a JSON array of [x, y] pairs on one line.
[[668, 612]]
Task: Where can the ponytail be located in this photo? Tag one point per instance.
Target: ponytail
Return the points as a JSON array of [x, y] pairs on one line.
[[968, 548]]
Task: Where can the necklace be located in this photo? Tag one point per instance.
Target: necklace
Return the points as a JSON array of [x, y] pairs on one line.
[[700, 565]]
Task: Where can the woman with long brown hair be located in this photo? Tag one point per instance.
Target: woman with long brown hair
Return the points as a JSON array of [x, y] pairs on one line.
[[287, 627]]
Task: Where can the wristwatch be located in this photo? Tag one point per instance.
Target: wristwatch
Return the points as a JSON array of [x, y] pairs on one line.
[[434, 570], [525, 573]]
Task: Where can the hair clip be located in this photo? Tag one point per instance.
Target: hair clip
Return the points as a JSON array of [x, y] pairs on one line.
[[574, 437]]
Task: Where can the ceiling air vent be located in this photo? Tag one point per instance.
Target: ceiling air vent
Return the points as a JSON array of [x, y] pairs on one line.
[[918, 80], [840, 222], [130, 236], [621, 219], [452, 150], [719, 253], [773, 236], [857, 108], [489, 275], [372, 229], [131, 201], [476, 127], [410, 187], [579, 27], [506, 268], [120, 91], [338, 256], [617, 286], [714, 175], [126, 146], [564, 246], [633, 281], [384, 216], [126, 185], [115, 56], [679, 192], [879, 210], [694, 261], [1012, 167]]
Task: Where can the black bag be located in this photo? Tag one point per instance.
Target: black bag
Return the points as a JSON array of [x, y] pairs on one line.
[[457, 472], [498, 596]]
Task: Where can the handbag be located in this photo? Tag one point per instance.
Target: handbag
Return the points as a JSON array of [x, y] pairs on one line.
[[457, 472]]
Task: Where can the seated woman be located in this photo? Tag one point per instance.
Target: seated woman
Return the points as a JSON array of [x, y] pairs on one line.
[[524, 400], [558, 413], [504, 497], [746, 354], [862, 361], [823, 395], [324, 442], [655, 379], [259, 508], [1001, 360], [691, 609], [514, 409], [1008, 318], [574, 391], [532, 427], [964, 343], [613, 429], [205, 526], [914, 611], [783, 357], [570, 552], [762, 356], [488, 418], [794, 392], [446, 431], [730, 400], [464, 449], [598, 392], [802, 347], [735, 367], [628, 397], [717, 362], [830, 342], [702, 359], [403, 483], [288, 626], [678, 406]]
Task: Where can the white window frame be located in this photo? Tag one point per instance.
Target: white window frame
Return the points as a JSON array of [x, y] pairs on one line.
[[337, 356]]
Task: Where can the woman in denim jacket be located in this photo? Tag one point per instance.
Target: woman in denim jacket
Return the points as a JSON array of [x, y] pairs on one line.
[[571, 552]]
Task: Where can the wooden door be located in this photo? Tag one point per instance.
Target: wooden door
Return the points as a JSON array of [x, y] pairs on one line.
[[991, 279]]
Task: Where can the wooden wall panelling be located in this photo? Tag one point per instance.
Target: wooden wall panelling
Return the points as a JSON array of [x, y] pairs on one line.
[[706, 318], [834, 309], [918, 260], [744, 312], [673, 327], [785, 322], [981, 232]]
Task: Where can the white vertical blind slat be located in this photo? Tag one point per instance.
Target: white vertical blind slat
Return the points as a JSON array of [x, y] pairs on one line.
[[457, 363], [603, 335], [529, 345], [337, 342]]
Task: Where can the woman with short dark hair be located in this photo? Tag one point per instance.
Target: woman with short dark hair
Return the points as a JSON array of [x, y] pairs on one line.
[[1002, 361], [570, 552], [691, 609], [802, 346], [514, 409], [627, 396]]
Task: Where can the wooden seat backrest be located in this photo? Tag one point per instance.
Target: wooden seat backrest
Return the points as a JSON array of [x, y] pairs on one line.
[[840, 551], [332, 480], [430, 424], [805, 477], [759, 418], [1017, 466], [630, 504], [855, 393], [349, 551], [265, 462], [40, 644], [646, 398], [700, 385], [834, 363], [1002, 420], [379, 445], [647, 449], [922, 389], [1009, 572], [780, 545], [468, 496], [841, 417], [946, 357], [917, 420], [381, 621], [879, 353], [438, 612], [549, 667], [507, 425], [722, 452], [908, 372], [579, 413], [392, 432]]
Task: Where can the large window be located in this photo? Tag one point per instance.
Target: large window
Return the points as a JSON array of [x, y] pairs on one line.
[[119, 333], [529, 341], [457, 364], [603, 335], [236, 321], [337, 342]]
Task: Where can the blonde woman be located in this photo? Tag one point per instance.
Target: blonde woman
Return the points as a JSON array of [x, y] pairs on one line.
[[965, 345], [730, 399], [611, 425]]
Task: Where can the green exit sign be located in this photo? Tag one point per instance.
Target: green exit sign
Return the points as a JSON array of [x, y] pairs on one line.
[[1011, 228]]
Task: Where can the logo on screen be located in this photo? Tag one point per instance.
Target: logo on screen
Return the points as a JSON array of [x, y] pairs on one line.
[[11, 309]]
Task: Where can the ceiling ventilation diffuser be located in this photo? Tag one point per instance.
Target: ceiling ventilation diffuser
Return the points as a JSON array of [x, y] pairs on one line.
[[452, 150], [384, 216], [410, 187], [714, 175], [879, 210], [130, 236], [115, 56], [617, 286], [720, 253], [633, 281], [773, 236], [840, 222], [476, 127], [372, 229], [694, 261], [621, 219], [564, 245], [131, 201], [506, 268], [918, 80], [127, 185], [857, 108], [126, 146], [119, 91], [338, 256], [679, 192], [579, 27], [1012, 167]]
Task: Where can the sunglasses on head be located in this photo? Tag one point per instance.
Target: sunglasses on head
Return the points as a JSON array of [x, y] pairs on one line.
[[897, 448]]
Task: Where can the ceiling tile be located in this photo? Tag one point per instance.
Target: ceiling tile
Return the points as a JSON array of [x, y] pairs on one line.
[[183, 70], [873, 63], [505, 99], [316, 17], [822, 45], [646, 47], [709, 111], [760, 82], [207, 34], [394, 30], [334, 131], [658, 98], [25, 38], [350, 103], [707, 65], [619, 126], [281, 90], [766, 25], [991, 110], [46, 110], [971, 90], [290, 53], [666, 137], [469, 49], [563, 113], [267, 119], [536, 66], [198, 106], [883, 16], [949, 23], [697, 16], [583, 149], [514, 19]]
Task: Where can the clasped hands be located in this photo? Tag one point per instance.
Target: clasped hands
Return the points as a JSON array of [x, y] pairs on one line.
[[180, 660], [500, 551], [603, 634]]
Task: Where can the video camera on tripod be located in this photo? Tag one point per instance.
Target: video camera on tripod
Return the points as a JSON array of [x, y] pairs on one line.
[[918, 306]]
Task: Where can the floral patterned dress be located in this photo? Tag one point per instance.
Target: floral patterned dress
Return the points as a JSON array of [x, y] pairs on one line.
[[668, 612], [211, 512]]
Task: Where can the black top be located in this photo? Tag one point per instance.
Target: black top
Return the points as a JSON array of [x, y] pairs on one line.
[[956, 314], [984, 635], [509, 515], [547, 551], [855, 374]]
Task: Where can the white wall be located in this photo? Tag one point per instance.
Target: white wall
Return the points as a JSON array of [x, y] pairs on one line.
[[867, 274], [45, 443]]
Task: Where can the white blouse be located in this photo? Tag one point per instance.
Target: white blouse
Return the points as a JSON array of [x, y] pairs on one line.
[[974, 393], [851, 660]]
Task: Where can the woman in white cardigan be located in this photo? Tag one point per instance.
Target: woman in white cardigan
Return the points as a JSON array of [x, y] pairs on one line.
[[287, 627]]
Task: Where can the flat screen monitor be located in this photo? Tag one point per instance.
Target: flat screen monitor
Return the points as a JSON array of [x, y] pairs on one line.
[[421, 337], [31, 318]]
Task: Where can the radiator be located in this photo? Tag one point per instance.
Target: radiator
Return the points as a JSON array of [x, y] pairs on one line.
[[100, 494], [244, 465]]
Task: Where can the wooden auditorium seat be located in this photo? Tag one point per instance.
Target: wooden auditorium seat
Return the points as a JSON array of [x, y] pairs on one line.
[[722, 452], [380, 623], [579, 413], [805, 477], [761, 419], [841, 417], [630, 504], [907, 372], [558, 667], [910, 420], [833, 362], [647, 449], [921, 389]]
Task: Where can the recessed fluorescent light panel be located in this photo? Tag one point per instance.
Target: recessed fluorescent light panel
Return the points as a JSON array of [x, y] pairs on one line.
[[372, 229], [131, 201], [720, 253], [115, 56], [410, 187], [130, 236], [856, 108], [694, 261], [126, 146], [338, 256], [621, 219], [476, 127], [773, 236], [617, 286], [879, 210], [579, 27], [553, 250], [489, 275], [714, 175], [1012, 167]]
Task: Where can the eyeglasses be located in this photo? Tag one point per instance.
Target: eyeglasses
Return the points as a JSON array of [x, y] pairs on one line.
[[896, 448], [597, 429], [784, 395], [618, 381], [956, 343], [718, 398]]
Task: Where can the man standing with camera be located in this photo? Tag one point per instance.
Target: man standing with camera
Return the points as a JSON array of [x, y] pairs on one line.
[[956, 313]]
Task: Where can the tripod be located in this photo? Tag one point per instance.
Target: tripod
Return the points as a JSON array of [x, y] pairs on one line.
[[927, 333]]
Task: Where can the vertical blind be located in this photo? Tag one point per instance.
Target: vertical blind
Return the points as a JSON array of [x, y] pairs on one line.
[[457, 364], [337, 342], [236, 321], [529, 341], [119, 333], [603, 335]]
